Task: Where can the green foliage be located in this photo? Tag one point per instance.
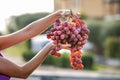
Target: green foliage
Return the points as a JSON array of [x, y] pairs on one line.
[[88, 60], [95, 32], [28, 44], [0, 33], [11, 24], [110, 29], [83, 16], [101, 30], [28, 55], [95, 28], [49, 60], [112, 47], [18, 49], [63, 61]]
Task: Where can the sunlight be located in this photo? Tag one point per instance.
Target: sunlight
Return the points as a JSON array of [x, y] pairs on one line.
[[17, 7]]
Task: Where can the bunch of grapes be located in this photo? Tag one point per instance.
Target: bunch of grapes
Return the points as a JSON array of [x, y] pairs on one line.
[[74, 32], [75, 59]]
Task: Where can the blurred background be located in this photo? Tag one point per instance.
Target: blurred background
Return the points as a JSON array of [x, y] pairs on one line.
[[101, 55]]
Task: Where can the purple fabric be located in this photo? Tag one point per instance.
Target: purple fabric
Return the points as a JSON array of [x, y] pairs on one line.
[[1, 55], [3, 77]]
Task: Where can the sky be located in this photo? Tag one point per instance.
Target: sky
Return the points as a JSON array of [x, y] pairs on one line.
[[17, 7]]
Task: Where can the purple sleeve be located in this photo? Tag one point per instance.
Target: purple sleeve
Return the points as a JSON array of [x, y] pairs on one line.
[[1, 55], [4, 77]]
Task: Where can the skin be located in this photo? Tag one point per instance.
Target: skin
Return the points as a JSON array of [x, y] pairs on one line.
[[26, 33]]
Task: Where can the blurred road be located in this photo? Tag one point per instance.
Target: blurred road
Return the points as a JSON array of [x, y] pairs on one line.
[[68, 74]]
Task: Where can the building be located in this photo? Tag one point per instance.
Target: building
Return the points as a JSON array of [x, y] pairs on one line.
[[92, 8]]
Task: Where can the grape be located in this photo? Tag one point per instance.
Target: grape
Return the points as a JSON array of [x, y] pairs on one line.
[[72, 36], [57, 48], [73, 28], [63, 31], [78, 36], [66, 36], [65, 24], [74, 33], [78, 47], [57, 37], [75, 40], [81, 39], [55, 41], [68, 32], [66, 29], [59, 32], [58, 54], [59, 45], [62, 36], [79, 43], [52, 37], [57, 21], [52, 52], [87, 31]]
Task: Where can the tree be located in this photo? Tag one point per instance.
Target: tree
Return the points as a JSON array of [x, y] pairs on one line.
[[0, 33]]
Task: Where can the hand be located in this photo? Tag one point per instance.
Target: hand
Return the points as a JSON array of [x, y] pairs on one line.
[[67, 13], [66, 46], [63, 46]]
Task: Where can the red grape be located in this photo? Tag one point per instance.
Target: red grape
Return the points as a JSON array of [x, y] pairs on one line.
[[62, 36], [59, 32]]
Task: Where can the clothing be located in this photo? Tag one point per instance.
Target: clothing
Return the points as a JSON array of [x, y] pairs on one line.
[[2, 76]]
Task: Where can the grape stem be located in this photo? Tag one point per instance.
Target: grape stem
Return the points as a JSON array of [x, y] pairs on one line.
[[68, 20]]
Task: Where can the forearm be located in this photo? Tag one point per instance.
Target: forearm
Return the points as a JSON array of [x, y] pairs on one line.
[[41, 25], [38, 26], [9, 68], [29, 67]]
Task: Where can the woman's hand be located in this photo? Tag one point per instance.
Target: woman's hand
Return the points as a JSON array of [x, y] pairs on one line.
[[66, 46], [67, 13], [63, 46]]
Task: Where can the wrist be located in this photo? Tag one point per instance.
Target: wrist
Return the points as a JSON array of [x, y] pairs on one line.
[[49, 45], [58, 13]]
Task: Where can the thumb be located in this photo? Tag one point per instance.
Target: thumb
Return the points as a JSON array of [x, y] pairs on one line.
[[66, 46]]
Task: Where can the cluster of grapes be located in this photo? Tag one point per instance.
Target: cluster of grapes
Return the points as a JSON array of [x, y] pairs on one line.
[[75, 59], [75, 33]]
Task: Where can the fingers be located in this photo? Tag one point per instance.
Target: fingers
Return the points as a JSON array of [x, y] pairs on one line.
[[65, 13], [77, 15], [66, 46], [72, 14]]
